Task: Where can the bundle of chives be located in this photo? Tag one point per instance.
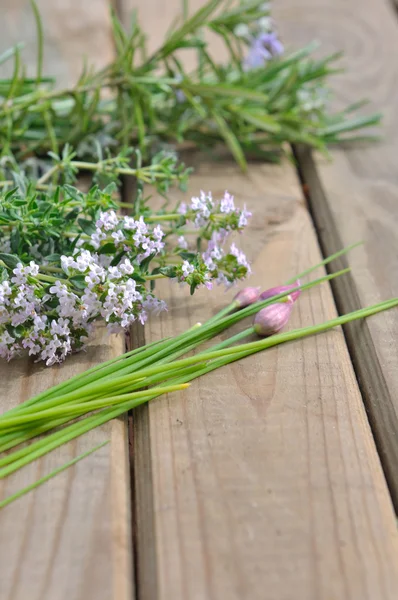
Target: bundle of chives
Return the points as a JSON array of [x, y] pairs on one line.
[[118, 385], [147, 353], [127, 373], [202, 363]]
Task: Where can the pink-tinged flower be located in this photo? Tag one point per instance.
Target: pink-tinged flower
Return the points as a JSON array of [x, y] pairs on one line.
[[262, 49], [247, 296], [280, 290], [227, 204], [272, 318]]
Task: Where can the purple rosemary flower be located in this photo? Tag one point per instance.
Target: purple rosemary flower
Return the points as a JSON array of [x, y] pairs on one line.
[[263, 47]]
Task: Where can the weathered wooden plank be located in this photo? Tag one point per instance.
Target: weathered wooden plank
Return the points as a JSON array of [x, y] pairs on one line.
[[70, 538], [354, 197], [66, 43], [264, 477]]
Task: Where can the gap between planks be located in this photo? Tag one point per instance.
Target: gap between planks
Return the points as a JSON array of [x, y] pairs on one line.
[[142, 502]]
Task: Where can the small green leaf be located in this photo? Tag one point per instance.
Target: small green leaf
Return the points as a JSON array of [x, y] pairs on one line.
[[137, 277], [15, 239], [10, 193], [110, 189], [10, 260], [262, 121], [71, 215], [5, 218], [168, 271], [108, 248], [53, 258], [227, 91], [188, 255], [87, 226], [139, 119], [145, 263], [78, 281], [74, 243], [73, 192], [231, 140], [116, 260]]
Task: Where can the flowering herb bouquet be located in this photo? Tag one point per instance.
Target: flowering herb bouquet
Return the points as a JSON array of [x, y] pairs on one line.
[[69, 258]]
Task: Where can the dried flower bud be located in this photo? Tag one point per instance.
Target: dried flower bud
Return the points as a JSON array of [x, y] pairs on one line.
[[247, 296], [280, 290], [272, 318]]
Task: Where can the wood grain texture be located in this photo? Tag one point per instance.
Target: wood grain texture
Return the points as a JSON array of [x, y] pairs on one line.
[[264, 477], [72, 32], [71, 538], [355, 196]]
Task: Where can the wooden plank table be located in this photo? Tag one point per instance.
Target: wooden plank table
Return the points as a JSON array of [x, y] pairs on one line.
[[263, 480]]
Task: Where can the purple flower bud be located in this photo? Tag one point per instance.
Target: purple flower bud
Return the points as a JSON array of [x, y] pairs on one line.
[[272, 318], [280, 290], [246, 296]]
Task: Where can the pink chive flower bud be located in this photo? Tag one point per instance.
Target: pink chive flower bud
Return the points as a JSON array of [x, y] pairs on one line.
[[272, 318], [247, 296], [280, 290]]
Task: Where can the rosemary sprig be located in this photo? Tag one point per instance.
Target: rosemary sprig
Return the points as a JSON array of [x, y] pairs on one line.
[[156, 100]]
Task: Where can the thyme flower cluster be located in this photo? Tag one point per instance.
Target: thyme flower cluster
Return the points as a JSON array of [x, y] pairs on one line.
[[216, 220], [48, 304]]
